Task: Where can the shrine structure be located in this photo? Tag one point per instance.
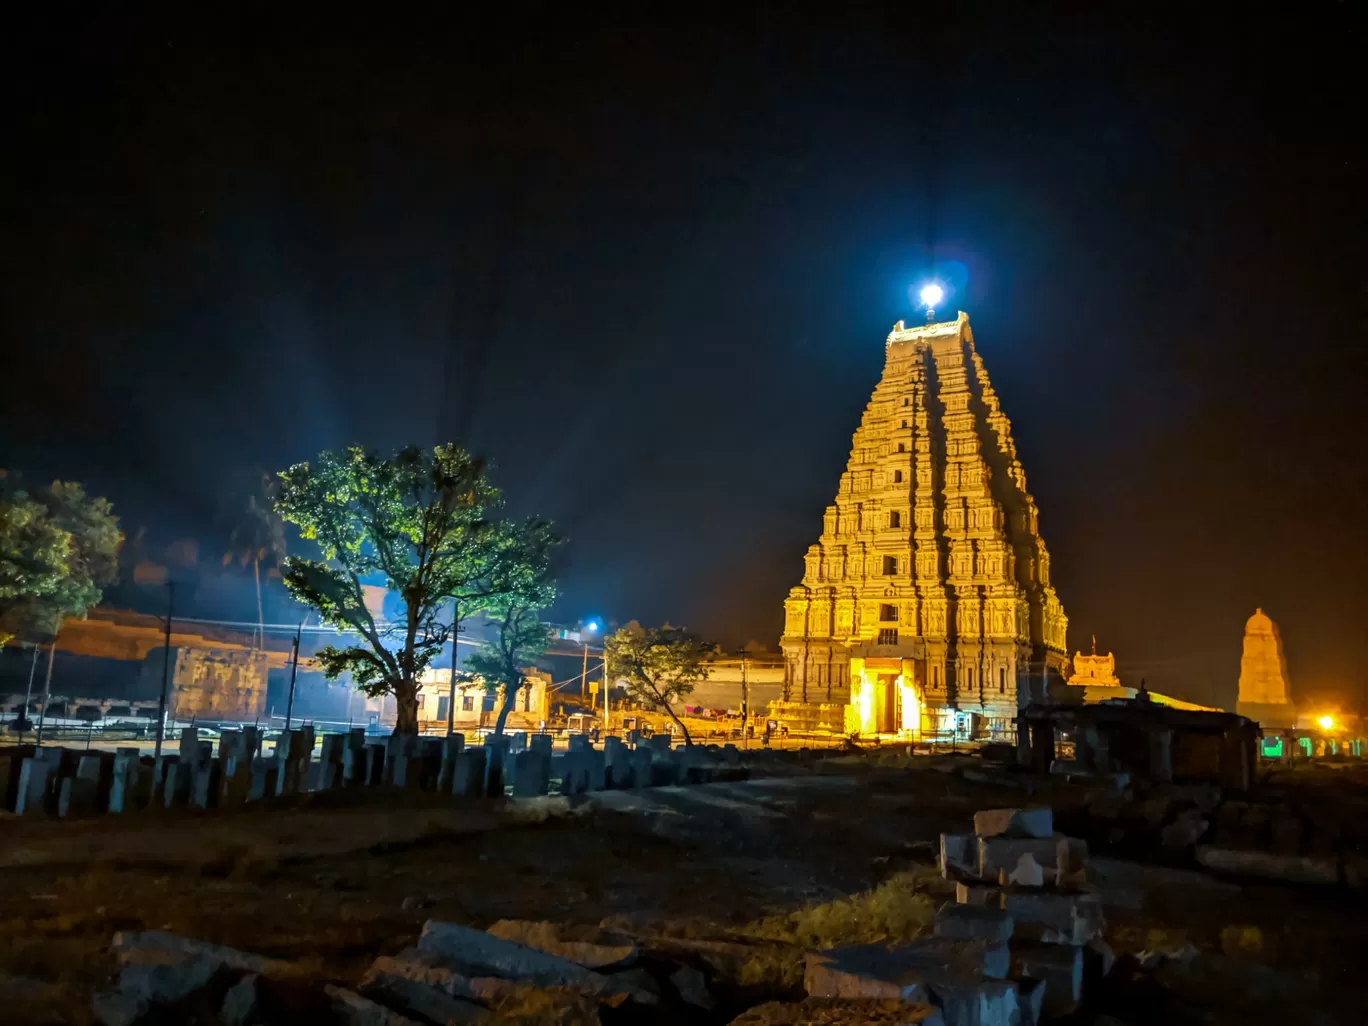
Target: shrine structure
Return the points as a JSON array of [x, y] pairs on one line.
[[926, 605]]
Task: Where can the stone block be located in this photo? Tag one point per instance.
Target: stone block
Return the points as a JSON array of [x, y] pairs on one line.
[[974, 894], [958, 855], [1185, 831], [1028, 873], [660, 742], [580, 743], [468, 774], [150, 947], [351, 1009], [973, 922], [1053, 917], [939, 971], [374, 773], [1059, 967], [1037, 821], [592, 948], [541, 743], [477, 953], [996, 854], [1071, 860], [1307, 869], [428, 1003], [692, 987], [178, 783], [517, 742]]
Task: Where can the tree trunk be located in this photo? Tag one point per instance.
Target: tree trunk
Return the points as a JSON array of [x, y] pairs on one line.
[[406, 706], [679, 723], [261, 617], [506, 707]]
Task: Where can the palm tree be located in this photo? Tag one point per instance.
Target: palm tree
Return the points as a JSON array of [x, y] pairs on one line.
[[258, 535]]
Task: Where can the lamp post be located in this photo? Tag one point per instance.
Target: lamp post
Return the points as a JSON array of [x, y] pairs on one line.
[[931, 295]]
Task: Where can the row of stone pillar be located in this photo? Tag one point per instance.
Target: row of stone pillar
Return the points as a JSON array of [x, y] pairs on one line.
[[65, 782]]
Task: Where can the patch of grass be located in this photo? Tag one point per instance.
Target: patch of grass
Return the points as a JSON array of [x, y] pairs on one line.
[[896, 911]]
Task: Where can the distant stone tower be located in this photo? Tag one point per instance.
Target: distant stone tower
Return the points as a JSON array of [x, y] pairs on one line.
[[928, 593], [1264, 694]]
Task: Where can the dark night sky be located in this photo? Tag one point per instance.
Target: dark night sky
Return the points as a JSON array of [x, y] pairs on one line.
[[647, 267]]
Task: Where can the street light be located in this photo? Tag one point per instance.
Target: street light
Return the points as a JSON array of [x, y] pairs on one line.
[[931, 295]]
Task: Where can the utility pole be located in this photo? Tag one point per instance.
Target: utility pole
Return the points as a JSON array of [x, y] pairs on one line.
[[745, 702], [451, 695], [47, 689], [605, 691], [294, 669], [584, 670], [166, 680], [27, 718]]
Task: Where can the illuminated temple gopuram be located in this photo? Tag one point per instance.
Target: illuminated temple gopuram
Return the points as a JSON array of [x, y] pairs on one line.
[[926, 605]]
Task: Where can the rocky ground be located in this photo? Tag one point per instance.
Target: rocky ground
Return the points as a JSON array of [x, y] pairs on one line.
[[734, 882]]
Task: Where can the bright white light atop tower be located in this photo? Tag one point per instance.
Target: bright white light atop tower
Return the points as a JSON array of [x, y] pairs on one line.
[[931, 295]]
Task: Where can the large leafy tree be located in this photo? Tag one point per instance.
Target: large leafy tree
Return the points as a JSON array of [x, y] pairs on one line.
[[517, 638], [422, 523], [659, 665], [59, 548]]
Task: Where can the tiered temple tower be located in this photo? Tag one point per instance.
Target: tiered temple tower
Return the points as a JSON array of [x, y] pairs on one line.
[[926, 604], [1264, 694]]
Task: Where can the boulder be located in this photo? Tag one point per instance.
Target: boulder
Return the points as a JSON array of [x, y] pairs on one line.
[[113, 1008], [241, 1004], [692, 987], [816, 1010], [1184, 831], [1037, 821], [592, 947]]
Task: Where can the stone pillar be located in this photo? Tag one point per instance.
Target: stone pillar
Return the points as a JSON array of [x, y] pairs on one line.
[[36, 779], [128, 773], [235, 767], [265, 772], [293, 753], [574, 773], [617, 763], [399, 749], [530, 774], [204, 784], [541, 743], [597, 767], [517, 742], [468, 774], [496, 764], [451, 748], [580, 743], [642, 759], [1042, 745]]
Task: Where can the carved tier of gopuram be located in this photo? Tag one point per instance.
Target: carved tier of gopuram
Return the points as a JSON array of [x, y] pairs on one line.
[[1263, 694], [926, 606]]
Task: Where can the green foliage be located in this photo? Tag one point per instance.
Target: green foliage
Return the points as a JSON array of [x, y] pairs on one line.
[[58, 549], [659, 665], [420, 523], [893, 913], [518, 636]]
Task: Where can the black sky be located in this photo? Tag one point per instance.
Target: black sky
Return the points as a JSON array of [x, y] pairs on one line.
[[646, 262]]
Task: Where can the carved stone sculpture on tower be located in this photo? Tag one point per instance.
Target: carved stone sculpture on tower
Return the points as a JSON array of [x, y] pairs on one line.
[[927, 596], [1264, 693]]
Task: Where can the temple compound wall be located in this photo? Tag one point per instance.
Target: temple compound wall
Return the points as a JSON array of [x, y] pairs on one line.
[[212, 684], [926, 605]]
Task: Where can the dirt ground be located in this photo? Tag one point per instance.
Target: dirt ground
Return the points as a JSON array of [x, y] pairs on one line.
[[331, 883]]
